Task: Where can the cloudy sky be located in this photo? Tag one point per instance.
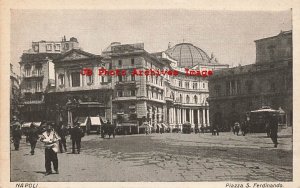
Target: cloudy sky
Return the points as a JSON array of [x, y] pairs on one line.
[[229, 35]]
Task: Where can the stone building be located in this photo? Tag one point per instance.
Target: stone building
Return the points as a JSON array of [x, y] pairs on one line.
[[14, 93], [168, 99], [268, 82], [37, 75], [91, 93]]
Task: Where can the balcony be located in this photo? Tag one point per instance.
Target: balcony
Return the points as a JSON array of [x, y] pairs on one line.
[[155, 85], [27, 90], [126, 98], [83, 88], [34, 102], [34, 75]]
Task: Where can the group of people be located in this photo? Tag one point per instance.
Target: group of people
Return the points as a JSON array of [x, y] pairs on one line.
[[53, 137]]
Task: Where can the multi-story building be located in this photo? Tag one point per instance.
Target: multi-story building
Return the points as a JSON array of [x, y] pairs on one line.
[[170, 99], [174, 97], [14, 93], [90, 93], [268, 82], [37, 75]]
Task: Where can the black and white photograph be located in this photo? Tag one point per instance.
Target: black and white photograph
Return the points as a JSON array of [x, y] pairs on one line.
[[144, 95]]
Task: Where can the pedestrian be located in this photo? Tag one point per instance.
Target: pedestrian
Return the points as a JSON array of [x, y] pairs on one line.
[[274, 129], [16, 132], [33, 136], [50, 138], [62, 133], [202, 129], [76, 135], [236, 128]]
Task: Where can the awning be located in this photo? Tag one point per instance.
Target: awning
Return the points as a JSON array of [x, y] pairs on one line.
[[95, 120], [27, 124], [264, 110], [82, 121]]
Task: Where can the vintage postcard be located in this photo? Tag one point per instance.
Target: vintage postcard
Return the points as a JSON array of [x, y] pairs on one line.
[[161, 96]]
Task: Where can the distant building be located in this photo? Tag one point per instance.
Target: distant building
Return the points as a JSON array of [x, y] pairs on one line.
[[14, 92], [268, 82], [37, 75]]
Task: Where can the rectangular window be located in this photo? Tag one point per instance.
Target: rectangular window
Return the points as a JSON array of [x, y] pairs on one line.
[[28, 72], [57, 47], [195, 85], [89, 79], [132, 92], [38, 86], [75, 79], [132, 78], [39, 71], [49, 47], [132, 62], [120, 78], [61, 80], [187, 85], [120, 93], [120, 63]]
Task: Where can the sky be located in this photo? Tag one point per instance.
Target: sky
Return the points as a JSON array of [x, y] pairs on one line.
[[229, 35]]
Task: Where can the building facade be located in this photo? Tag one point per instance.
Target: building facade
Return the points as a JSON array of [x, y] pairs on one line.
[[268, 82], [115, 85], [37, 76], [90, 93], [14, 93], [160, 99]]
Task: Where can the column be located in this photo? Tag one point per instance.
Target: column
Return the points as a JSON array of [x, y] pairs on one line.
[[203, 116], [179, 115], [208, 117], [191, 116], [174, 115], [198, 115], [192, 120], [184, 115]]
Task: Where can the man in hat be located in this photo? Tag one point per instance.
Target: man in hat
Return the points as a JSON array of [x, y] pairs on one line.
[[16, 132], [76, 134], [50, 138], [274, 129], [33, 136], [62, 133]]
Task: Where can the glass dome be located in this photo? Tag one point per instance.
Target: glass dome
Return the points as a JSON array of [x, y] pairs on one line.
[[188, 55]]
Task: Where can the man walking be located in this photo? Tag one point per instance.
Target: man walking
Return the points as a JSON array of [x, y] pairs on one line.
[[33, 136], [62, 133], [50, 138], [16, 132], [76, 134], [274, 129]]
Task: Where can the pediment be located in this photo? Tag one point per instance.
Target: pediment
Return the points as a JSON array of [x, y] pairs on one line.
[[74, 56]]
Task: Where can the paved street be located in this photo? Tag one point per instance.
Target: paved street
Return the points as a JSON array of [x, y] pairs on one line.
[[164, 157]]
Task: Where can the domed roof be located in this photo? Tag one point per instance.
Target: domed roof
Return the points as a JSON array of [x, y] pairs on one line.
[[188, 55]]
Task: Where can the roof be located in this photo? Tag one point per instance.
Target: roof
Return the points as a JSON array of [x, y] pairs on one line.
[[27, 57], [280, 34], [188, 55]]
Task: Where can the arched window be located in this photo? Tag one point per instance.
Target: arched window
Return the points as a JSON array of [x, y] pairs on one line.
[[187, 99], [180, 98], [195, 99]]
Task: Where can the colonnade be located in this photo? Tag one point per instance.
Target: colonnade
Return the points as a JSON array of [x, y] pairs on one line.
[[178, 116]]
